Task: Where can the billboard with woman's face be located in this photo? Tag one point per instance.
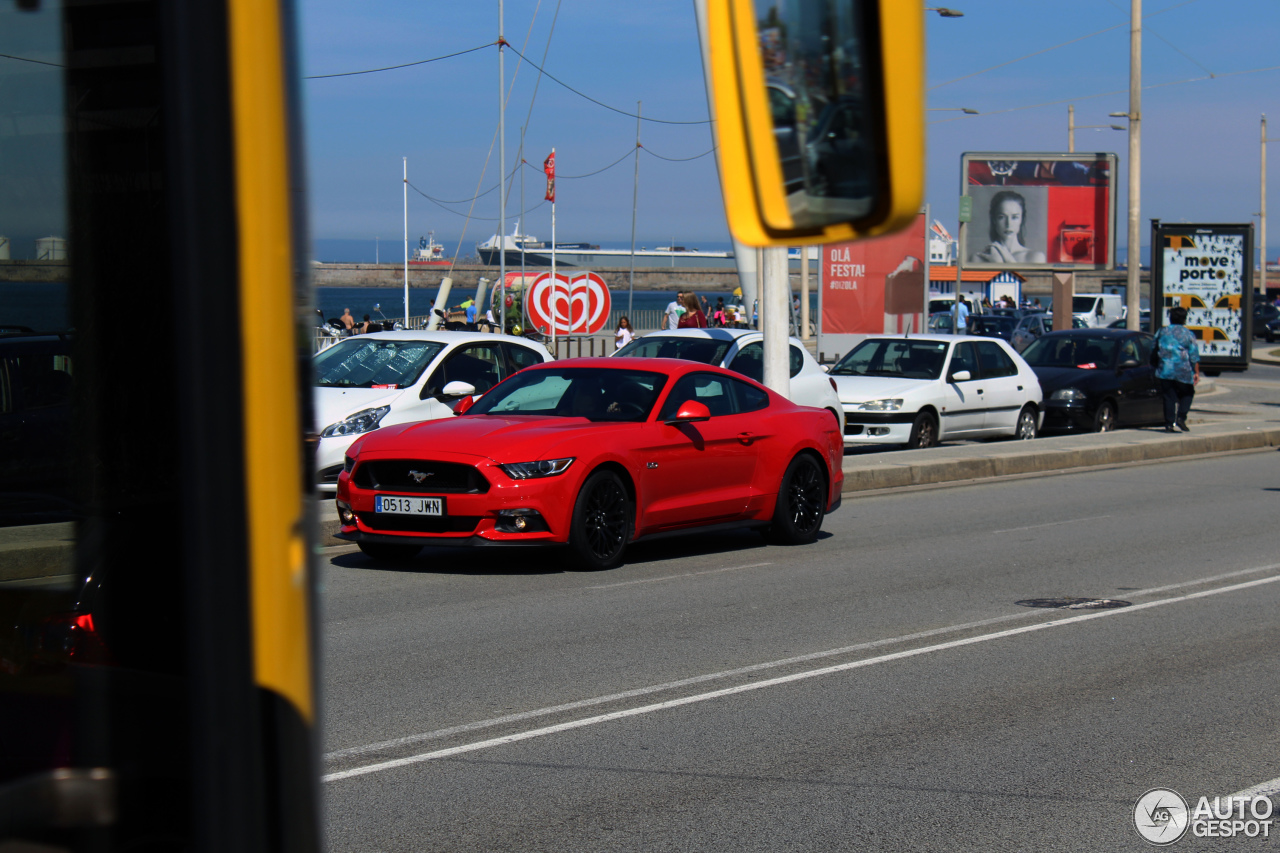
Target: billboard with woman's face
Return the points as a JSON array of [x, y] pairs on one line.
[[1039, 210]]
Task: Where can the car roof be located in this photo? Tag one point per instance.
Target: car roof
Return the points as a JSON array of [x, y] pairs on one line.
[[1092, 333], [668, 366], [716, 334], [443, 337]]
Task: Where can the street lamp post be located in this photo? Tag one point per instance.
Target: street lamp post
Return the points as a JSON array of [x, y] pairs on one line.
[[1134, 262], [1072, 127], [969, 111], [1262, 211], [944, 12]]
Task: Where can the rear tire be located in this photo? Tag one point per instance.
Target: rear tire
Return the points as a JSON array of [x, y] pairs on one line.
[[389, 553], [924, 432], [601, 526], [802, 503], [1026, 428]]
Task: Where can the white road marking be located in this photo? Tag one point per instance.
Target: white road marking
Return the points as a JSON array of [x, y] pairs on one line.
[[774, 682], [1051, 524], [1263, 789], [674, 577]]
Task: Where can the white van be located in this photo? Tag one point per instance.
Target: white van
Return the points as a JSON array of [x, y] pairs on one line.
[[1097, 310]]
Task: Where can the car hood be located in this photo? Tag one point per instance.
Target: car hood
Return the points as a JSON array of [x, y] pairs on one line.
[[334, 404], [859, 389], [512, 438], [1053, 378]]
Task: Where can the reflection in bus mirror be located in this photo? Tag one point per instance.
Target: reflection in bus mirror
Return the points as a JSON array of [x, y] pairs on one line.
[[819, 116]]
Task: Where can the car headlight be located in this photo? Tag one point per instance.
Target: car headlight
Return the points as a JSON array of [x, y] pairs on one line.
[[534, 470], [365, 420], [1069, 395], [881, 405]]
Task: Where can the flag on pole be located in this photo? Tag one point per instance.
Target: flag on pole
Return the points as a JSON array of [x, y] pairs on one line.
[[549, 166]]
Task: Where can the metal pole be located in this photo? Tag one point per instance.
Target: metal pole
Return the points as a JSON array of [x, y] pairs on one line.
[[1071, 128], [1262, 215], [1132, 302], [635, 198], [775, 297], [502, 305], [955, 306], [502, 177], [804, 293], [555, 282], [406, 242]]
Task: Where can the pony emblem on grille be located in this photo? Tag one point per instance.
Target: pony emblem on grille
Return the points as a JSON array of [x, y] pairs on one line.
[[419, 476]]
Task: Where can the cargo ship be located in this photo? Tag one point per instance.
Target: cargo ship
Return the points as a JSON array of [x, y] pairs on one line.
[[429, 253]]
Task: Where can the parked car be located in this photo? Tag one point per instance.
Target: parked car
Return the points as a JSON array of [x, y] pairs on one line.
[[372, 381], [990, 326], [1270, 331], [1098, 310], [1096, 379], [741, 350], [941, 322], [595, 454], [919, 390], [1263, 313]]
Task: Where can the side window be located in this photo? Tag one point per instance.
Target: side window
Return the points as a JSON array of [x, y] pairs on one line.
[[1129, 351], [521, 357], [797, 360], [479, 365], [963, 358], [708, 389], [1145, 345], [750, 398], [750, 361], [995, 361]]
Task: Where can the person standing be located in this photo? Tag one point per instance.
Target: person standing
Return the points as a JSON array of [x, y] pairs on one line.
[[962, 315], [625, 333], [693, 317], [347, 320], [1178, 370], [674, 309]]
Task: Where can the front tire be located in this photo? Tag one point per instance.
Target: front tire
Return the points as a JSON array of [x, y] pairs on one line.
[[1105, 419], [924, 432], [802, 503], [1026, 428], [601, 525], [389, 553]]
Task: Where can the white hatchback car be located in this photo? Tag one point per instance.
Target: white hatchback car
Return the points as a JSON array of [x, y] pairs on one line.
[[741, 350], [385, 378], [918, 390]]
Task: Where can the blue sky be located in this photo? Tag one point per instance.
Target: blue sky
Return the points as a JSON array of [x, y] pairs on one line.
[[1200, 151]]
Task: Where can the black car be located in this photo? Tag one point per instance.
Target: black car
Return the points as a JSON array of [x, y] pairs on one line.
[[1269, 330], [991, 326], [1264, 315], [1096, 379]]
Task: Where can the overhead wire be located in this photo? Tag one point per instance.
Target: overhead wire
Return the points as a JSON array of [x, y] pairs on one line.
[[402, 65]]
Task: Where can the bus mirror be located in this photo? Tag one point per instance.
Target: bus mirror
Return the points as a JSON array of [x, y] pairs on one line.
[[819, 116]]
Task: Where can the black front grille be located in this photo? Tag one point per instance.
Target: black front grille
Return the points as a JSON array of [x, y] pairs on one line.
[[419, 475], [394, 522], [330, 474]]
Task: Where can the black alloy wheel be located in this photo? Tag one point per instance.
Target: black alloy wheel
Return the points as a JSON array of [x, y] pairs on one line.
[[802, 502], [385, 551], [601, 525], [924, 432], [1105, 419]]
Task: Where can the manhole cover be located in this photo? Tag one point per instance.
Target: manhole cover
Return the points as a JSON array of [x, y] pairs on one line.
[[1074, 603]]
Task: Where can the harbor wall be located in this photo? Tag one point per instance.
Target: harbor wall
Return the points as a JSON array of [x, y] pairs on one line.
[[33, 271]]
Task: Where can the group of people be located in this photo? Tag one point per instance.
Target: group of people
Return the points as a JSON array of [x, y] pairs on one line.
[[357, 328], [687, 311]]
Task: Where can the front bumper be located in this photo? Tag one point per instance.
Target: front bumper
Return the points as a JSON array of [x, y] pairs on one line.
[[863, 428], [1061, 416], [470, 518]]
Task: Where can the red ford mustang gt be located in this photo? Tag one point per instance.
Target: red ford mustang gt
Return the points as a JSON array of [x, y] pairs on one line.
[[595, 454]]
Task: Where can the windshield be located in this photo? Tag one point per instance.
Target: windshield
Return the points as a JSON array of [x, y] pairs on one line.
[[1082, 352], [1001, 327], [902, 358], [704, 350], [374, 363], [597, 394], [1083, 304]]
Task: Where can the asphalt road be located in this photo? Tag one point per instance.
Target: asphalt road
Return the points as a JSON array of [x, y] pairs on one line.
[[882, 689]]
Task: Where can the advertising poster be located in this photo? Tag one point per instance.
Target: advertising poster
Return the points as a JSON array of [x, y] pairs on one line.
[[1203, 268], [874, 286], [1039, 210]]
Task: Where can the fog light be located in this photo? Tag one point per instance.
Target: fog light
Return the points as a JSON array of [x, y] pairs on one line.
[[345, 515], [520, 521], [877, 431]]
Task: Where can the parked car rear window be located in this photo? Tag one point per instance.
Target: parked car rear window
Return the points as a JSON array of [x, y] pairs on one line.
[[704, 350], [365, 362], [575, 392]]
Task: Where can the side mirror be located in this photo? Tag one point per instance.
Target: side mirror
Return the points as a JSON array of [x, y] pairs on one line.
[[691, 411], [461, 407], [961, 376], [826, 368], [456, 389]]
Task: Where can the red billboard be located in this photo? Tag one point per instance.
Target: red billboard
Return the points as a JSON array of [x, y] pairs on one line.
[[876, 286], [1046, 209]]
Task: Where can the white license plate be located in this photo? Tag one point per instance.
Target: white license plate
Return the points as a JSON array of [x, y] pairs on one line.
[[408, 506]]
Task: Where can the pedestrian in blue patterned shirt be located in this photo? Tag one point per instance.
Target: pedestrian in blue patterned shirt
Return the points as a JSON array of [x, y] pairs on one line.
[[1178, 370]]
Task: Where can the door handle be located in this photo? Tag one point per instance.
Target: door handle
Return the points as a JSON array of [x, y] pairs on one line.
[[746, 437], [979, 390]]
